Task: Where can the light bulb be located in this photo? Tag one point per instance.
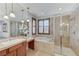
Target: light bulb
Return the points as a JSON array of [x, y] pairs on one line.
[[6, 17], [12, 15], [27, 20]]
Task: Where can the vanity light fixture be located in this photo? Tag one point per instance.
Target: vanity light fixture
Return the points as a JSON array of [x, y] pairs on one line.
[[6, 17], [12, 13], [22, 16], [28, 14], [27, 20]]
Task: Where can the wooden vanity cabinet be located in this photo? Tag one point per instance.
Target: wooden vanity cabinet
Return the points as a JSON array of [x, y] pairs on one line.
[[22, 50], [13, 50], [17, 50], [12, 53], [3, 52]]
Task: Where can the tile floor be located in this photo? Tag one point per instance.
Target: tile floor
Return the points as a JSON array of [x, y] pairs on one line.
[[36, 53], [65, 52]]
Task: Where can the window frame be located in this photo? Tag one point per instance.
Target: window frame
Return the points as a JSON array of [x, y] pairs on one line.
[[33, 26], [43, 26]]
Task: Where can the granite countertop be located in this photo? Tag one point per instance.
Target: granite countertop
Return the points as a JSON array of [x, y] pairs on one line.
[[9, 42]]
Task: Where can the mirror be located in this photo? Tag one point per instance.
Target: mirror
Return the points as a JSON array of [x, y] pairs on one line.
[[19, 28]]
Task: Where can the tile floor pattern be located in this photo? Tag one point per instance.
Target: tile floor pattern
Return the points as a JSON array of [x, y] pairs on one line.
[[65, 52], [36, 53]]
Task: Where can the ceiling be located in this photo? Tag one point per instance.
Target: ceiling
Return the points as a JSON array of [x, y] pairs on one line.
[[45, 9], [38, 9]]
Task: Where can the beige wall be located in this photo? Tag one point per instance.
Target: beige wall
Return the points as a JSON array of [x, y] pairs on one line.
[[57, 30], [74, 31]]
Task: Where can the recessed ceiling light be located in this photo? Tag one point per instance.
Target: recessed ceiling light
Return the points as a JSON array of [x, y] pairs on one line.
[[60, 8]]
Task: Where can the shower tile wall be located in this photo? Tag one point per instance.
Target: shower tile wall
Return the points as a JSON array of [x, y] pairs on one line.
[[74, 32], [57, 31]]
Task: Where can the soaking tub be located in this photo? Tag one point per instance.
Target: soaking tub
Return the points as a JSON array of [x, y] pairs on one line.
[[44, 44]]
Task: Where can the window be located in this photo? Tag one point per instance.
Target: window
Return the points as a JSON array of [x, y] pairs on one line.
[[44, 26], [33, 26]]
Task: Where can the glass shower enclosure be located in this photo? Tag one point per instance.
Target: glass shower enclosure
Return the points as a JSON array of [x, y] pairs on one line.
[[62, 36]]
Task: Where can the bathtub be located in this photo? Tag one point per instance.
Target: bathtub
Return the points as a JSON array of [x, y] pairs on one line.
[[44, 44]]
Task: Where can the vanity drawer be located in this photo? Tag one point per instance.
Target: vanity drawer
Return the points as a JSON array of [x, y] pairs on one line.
[[3, 52], [15, 47]]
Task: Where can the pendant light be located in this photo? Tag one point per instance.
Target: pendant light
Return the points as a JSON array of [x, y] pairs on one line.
[[12, 13], [6, 17], [28, 14], [27, 20], [22, 16]]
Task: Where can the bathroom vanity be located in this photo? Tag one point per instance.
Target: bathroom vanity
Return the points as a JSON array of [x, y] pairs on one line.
[[16, 47]]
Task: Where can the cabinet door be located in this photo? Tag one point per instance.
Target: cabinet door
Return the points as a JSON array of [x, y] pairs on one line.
[[15, 47], [13, 50], [3, 53], [13, 53], [22, 50]]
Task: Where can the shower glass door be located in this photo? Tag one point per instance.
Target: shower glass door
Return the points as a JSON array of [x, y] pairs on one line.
[[61, 35]]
